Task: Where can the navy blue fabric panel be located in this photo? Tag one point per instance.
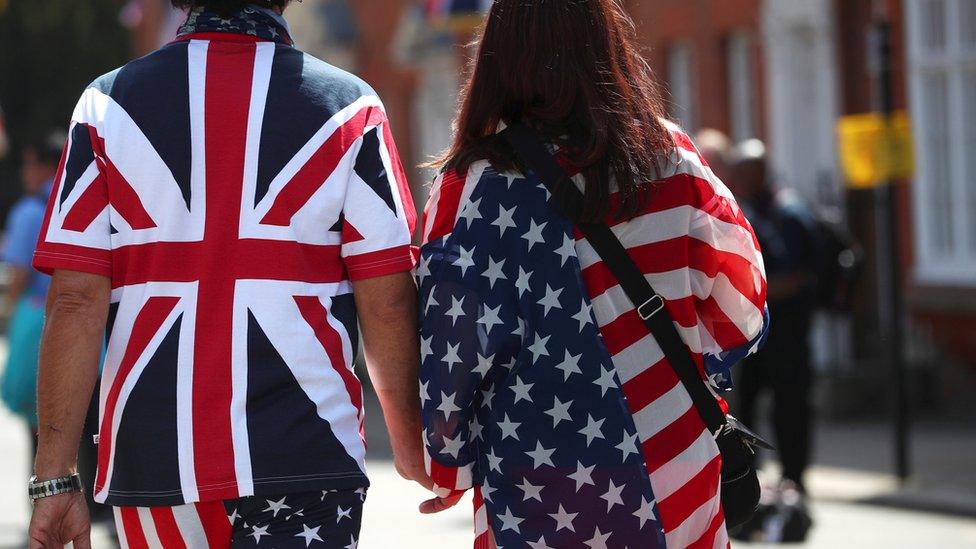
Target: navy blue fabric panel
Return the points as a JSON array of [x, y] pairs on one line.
[[80, 156], [146, 458], [369, 167], [154, 91], [337, 227], [304, 93], [289, 441], [113, 311], [344, 309]]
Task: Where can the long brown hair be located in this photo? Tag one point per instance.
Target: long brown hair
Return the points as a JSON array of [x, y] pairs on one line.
[[572, 70]]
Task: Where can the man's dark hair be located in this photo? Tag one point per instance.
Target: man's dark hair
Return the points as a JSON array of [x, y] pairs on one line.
[[47, 148], [227, 6]]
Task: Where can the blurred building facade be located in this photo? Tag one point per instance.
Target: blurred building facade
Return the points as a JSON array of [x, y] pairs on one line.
[[785, 71], [780, 70]]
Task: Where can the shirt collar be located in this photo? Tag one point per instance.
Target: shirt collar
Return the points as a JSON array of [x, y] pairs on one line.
[[254, 22]]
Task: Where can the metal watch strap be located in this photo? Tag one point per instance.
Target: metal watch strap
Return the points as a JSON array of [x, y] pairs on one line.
[[38, 489]]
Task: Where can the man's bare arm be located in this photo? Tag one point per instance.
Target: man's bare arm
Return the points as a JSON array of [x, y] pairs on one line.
[[387, 308], [77, 309]]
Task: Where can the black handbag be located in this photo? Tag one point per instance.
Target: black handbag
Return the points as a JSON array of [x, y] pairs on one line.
[[740, 484]]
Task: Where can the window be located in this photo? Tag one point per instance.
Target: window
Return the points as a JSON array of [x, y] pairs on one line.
[[681, 85], [742, 86], [942, 41]]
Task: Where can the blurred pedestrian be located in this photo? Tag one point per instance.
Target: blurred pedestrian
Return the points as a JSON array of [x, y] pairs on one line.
[[786, 230], [715, 147], [545, 391], [4, 140], [27, 289], [231, 210]]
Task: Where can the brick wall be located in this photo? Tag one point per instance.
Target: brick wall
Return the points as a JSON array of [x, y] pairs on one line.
[[705, 25]]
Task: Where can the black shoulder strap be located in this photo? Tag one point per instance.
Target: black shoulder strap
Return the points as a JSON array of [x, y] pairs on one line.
[[650, 305]]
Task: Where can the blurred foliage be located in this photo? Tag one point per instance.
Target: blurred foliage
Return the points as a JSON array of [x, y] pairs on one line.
[[49, 51]]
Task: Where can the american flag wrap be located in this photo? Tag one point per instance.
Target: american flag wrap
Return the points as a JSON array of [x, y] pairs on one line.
[[231, 187], [543, 390]]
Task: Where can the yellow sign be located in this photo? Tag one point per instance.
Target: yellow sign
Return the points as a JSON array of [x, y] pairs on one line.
[[874, 151]]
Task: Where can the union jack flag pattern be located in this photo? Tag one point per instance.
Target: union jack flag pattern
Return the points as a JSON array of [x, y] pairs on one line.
[[231, 187], [543, 390]]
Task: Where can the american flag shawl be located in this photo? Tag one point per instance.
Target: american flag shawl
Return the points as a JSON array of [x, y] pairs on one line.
[[231, 187], [542, 388]]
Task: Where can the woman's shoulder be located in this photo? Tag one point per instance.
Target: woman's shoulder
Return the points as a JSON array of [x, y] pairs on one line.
[[683, 172], [481, 192]]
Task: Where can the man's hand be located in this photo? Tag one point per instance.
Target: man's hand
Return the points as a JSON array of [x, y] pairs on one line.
[[77, 307], [387, 308], [59, 520], [409, 461]]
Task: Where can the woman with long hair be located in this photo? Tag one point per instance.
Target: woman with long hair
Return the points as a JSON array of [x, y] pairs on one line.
[[543, 390]]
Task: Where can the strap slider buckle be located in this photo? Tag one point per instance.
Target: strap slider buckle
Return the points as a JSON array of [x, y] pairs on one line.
[[650, 307]]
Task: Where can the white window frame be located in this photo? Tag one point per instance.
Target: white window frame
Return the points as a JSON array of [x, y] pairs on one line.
[[742, 85], [958, 266], [680, 66]]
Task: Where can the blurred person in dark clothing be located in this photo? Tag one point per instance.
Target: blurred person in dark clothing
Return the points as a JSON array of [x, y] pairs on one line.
[[27, 290], [715, 146], [25, 299], [786, 231]]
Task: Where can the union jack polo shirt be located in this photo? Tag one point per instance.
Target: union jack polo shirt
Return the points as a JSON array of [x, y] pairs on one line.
[[232, 188]]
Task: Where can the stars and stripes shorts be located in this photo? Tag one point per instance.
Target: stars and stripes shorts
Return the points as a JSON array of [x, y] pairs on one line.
[[323, 519]]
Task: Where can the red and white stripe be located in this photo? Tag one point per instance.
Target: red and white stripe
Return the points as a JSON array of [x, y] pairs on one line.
[[158, 261], [698, 251], [188, 526]]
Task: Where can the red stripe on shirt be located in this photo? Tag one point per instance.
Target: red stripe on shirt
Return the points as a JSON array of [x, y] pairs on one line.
[[230, 68], [315, 314], [146, 325], [445, 216], [399, 174], [296, 193]]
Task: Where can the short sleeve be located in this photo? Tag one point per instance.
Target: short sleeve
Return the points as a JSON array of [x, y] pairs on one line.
[[731, 294], [76, 232], [379, 215]]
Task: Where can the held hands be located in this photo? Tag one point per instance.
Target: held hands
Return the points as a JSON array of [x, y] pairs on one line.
[[408, 458], [59, 520], [438, 504]]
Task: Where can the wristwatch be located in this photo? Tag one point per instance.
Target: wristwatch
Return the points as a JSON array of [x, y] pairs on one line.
[[38, 489]]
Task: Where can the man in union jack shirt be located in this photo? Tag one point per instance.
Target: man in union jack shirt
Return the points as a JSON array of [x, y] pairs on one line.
[[226, 208]]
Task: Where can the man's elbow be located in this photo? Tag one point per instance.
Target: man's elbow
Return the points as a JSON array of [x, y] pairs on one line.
[[83, 298], [390, 299], [394, 308]]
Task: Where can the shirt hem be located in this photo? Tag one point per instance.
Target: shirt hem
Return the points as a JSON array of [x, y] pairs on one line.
[[275, 486], [376, 264]]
